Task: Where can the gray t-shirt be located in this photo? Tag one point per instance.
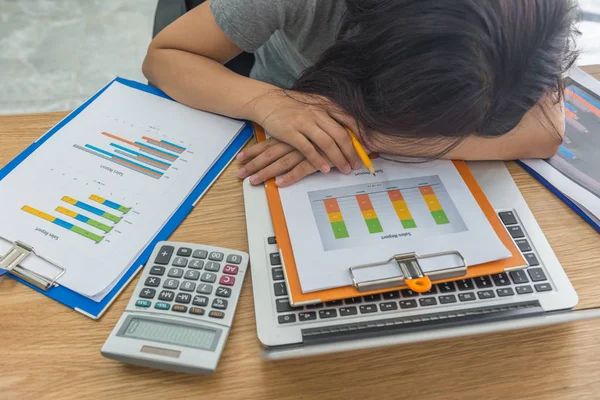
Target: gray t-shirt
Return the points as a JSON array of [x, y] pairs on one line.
[[286, 36]]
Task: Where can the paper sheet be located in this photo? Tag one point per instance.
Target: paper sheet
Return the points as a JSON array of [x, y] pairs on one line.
[[96, 193], [337, 221]]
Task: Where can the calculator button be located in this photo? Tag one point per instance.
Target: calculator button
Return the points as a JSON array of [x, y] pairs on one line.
[[230, 269], [408, 304], [447, 287], [307, 316], [223, 292], [427, 301], [391, 295], [333, 303], [345, 311], [408, 293], [275, 259], [204, 288], [283, 305], [388, 306], [368, 308], [175, 273], [272, 240], [184, 252], [542, 287], [330, 313], [188, 286], [162, 306], [180, 262], [233, 259], [483, 282], [156, 270], [486, 294], [279, 289], [286, 319], [184, 298], [537, 274], [212, 266], [503, 292], [524, 289], [216, 314], [143, 303], [191, 275], [152, 281], [227, 280], [466, 296], [202, 254], [196, 264], [464, 284], [197, 311], [201, 301], [446, 299], [372, 297], [314, 306], [516, 232], [433, 290], [219, 304], [166, 295], [179, 308], [501, 279], [215, 256], [164, 255], [147, 293], [171, 284], [532, 260], [523, 245], [208, 277], [508, 218], [353, 300], [519, 277], [277, 274]]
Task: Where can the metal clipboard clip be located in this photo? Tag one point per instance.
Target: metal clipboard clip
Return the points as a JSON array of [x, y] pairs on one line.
[[19, 252], [411, 273]]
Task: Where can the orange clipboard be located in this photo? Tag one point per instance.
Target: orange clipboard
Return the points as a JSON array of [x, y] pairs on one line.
[[406, 262]]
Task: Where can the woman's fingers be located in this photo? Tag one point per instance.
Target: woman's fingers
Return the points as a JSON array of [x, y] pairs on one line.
[[328, 146], [300, 171], [282, 165], [301, 143], [260, 157], [341, 138]]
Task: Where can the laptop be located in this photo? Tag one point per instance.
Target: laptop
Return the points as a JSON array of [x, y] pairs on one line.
[[538, 295]]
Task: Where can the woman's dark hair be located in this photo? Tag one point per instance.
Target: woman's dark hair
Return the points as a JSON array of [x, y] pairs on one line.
[[444, 69]]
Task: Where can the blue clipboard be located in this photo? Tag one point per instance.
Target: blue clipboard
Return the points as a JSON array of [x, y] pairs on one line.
[[81, 303], [559, 194]]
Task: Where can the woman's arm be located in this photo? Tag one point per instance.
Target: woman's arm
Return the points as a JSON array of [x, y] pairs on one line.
[[538, 135]]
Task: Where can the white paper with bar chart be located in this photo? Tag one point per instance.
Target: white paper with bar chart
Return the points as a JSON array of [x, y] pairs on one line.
[[336, 221], [96, 192]]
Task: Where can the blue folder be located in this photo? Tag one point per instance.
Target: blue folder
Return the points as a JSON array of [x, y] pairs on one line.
[[560, 195], [81, 303]]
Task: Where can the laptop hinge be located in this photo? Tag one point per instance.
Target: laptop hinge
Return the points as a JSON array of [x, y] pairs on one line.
[[422, 322]]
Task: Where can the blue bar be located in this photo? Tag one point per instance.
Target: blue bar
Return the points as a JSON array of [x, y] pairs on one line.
[[173, 144], [89, 208], [565, 152], [82, 218], [139, 154], [62, 223], [111, 204], [121, 158], [570, 107], [155, 149], [586, 96]]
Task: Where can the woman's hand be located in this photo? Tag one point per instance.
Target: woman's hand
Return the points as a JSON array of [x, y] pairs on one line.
[[273, 158], [306, 123]]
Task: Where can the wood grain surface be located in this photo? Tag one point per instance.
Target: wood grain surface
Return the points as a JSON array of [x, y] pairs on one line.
[[48, 351]]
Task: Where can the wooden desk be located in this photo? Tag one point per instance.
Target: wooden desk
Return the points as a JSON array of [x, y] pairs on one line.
[[49, 351]]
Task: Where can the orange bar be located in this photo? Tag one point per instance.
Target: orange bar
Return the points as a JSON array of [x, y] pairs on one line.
[[331, 206], [364, 202], [583, 101], [156, 153], [395, 195], [147, 160], [175, 149], [570, 113], [119, 161], [426, 190], [110, 135]]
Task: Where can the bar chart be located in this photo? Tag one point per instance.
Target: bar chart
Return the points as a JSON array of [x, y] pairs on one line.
[[74, 210], [362, 214], [148, 156]]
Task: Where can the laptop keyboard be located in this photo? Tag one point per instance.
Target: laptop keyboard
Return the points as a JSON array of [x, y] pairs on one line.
[[532, 279]]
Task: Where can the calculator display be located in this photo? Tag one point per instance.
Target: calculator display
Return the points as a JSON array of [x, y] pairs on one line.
[[170, 333]]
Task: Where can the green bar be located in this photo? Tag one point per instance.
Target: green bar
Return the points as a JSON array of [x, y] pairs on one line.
[[99, 225], [374, 225], [111, 217], [440, 217], [339, 230], [124, 209], [87, 234], [408, 223]]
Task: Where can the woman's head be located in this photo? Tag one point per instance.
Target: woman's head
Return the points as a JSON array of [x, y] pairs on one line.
[[444, 69]]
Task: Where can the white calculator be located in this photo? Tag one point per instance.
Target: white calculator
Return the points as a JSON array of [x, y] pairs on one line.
[[181, 311]]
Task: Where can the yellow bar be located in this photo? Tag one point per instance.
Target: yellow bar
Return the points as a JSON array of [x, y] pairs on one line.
[[402, 209], [432, 202], [335, 217], [66, 211], [38, 213], [69, 200], [369, 214], [97, 199]]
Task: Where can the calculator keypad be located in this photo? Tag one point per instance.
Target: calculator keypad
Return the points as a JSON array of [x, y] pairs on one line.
[[202, 283]]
